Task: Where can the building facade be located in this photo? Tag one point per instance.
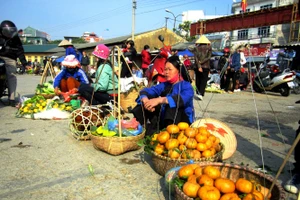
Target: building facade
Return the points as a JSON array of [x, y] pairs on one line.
[[260, 38], [217, 39], [91, 37], [34, 36]]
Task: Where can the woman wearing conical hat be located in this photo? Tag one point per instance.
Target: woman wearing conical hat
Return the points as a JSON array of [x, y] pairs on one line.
[[202, 53], [70, 49]]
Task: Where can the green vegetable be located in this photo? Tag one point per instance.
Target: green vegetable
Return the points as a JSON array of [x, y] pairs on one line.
[[91, 169]]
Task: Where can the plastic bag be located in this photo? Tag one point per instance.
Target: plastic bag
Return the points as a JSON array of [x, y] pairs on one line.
[[132, 124], [53, 113], [67, 95]]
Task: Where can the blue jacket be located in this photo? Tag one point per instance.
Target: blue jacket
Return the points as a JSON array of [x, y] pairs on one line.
[[181, 96], [78, 75], [236, 61], [72, 51]]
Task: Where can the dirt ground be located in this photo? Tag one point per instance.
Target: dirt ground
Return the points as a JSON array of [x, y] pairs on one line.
[[51, 164]]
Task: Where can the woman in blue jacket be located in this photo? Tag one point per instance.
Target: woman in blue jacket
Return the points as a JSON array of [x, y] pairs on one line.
[[167, 103], [70, 77]]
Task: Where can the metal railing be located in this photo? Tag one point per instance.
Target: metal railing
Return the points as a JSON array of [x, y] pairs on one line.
[[253, 36]]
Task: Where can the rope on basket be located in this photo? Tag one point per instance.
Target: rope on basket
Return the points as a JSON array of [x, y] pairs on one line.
[[137, 87], [278, 126]]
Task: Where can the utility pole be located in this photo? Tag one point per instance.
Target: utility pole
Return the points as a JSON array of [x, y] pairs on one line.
[[167, 22], [133, 19]]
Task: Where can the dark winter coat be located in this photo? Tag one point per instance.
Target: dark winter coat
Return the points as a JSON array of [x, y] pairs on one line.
[[12, 48], [85, 60]]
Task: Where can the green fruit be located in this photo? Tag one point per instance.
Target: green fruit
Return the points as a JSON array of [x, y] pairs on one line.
[[99, 130], [107, 133]]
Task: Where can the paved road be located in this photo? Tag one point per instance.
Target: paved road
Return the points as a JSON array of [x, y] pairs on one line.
[[55, 165]]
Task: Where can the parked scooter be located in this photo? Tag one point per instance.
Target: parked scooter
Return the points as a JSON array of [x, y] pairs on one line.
[[269, 79], [296, 88], [3, 79]]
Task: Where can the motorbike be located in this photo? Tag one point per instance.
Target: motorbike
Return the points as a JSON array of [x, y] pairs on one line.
[[3, 79], [20, 69], [296, 88], [273, 80], [155, 73]]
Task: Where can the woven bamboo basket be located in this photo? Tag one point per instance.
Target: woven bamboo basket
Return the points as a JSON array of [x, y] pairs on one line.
[[162, 164], [47, 96], [127, 100], [83, 119], [234, 172], [116, 145]]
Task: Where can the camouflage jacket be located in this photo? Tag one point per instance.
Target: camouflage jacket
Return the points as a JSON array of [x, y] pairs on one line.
[[202, 54]]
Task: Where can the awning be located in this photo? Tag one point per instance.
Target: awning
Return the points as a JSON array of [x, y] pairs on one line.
[[185, 52]]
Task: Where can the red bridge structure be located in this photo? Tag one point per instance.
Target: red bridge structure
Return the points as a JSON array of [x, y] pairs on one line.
[[266, 17]]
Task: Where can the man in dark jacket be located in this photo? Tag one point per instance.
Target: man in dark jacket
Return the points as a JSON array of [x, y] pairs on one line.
[[222, 66], [85, 61], [11, 48], [202, 53], [234, 70]]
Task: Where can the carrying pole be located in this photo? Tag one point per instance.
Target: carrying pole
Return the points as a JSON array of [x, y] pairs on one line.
[[284, 162], [45, 72]]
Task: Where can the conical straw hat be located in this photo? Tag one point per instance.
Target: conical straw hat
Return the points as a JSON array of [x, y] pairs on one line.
[[203, 40], [64, 43], [222, 131]]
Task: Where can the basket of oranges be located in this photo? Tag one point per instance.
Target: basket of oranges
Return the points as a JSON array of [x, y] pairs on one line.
[[179, 144], [224, 181]]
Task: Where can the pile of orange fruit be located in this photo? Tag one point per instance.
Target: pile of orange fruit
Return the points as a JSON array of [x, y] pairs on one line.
[[207, 183], [184, 142]]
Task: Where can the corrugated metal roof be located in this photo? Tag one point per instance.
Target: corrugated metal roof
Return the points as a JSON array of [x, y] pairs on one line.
[[292, 44], [56, 49], [108, 42], [182, 45], [112, 41], [40, 48]]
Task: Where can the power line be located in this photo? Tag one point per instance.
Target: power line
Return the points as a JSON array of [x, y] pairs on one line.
[[159, 3], [115, 12], [118, 10], [168, 7]]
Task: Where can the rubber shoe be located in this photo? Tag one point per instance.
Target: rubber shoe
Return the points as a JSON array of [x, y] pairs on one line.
[[12, 103], [293, 184], [198, 97]]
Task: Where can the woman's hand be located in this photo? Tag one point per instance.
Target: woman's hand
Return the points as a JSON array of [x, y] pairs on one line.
[[75, 90], [57, 91], [150, 104]]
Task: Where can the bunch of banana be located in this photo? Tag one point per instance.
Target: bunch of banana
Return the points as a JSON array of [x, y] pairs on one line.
[[33, 105], [62, 106], [38, 104]]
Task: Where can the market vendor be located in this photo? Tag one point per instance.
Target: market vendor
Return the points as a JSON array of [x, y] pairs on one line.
[[106, 83], [168, 102], [70, 77]]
